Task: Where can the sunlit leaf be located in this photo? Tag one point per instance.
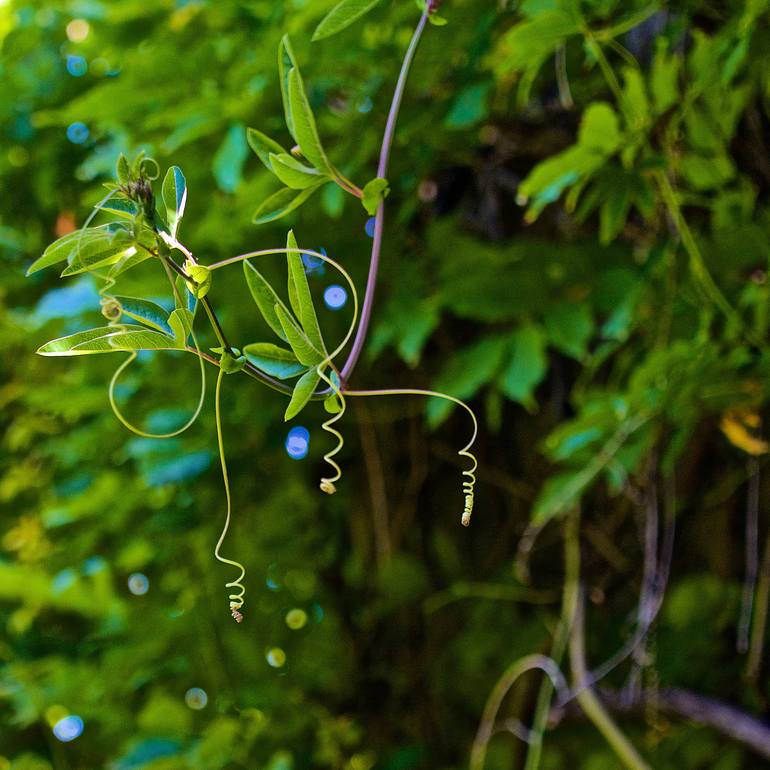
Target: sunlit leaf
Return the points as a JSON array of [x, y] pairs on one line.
[[293, 173], [108, 339], [174, 198], [145, 311], [79, 241]]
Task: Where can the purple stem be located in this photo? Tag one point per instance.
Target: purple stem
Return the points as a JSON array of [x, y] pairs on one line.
[[379, 222]]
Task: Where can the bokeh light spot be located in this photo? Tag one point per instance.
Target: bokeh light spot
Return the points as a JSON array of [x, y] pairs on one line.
[[77, 132], [314, 264], [296, 619], [77, 66], [77, 30], [138, 584], [335, 297], [298, 442], [68, 729], [196, 698], [276, 657]]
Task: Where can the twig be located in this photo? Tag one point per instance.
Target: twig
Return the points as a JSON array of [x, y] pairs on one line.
[[752, 556], [756, 648], [726, 719], [379, 499]]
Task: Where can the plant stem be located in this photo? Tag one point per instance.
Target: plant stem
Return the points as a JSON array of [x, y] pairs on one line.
[[379, 222], [561, 637], [371, 282], [590, 703]]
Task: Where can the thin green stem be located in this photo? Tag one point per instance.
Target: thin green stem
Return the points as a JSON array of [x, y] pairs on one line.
[[592, 706], [560, 639]]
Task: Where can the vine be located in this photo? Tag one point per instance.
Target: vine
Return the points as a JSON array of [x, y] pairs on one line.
[[144, 228]]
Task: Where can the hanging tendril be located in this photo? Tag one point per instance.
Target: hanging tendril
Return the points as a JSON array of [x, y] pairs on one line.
[[106, 299], [327, 484], [469, 482], [236, 599]]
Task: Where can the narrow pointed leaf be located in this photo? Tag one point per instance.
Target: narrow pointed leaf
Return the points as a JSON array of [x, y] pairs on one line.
[[100, 255], [174, 197], [300, 344], [300, 299], [273, 360], [303, 390], [293, 173], [341, 16], [283, 202], [127, 261], [286, 62], [146, 312], [68, 245], [305, 128], [108, 339], [263, 146], [265, 297]]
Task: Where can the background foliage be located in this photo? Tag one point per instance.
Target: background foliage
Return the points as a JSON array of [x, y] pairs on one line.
[[576, 241]]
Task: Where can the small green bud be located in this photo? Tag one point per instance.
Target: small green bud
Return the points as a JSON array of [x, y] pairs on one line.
[[231, 361]]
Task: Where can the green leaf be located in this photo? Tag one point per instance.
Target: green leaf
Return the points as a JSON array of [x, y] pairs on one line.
[[231, 363], [303, 390], [332, 404], [304, 124], [71, 244], [465, 373], [202, 279], [286, 63], [263, 146], [275, 361], [123, 207], [174, 198], [341, 16], [600, 129], [229, 158], [146, 312], [282, 203], [300, 344], [123, 170], [108, 339], [300, 299], [375, 191], [569, 327], [101, 254], [127, 262], [526, 366], [265, 297], [181, 323], [293, 173]]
